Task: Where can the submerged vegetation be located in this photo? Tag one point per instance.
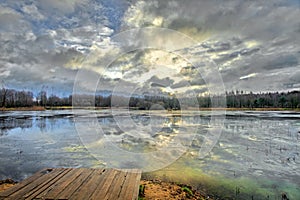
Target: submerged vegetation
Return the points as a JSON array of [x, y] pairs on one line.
[[220, 187]]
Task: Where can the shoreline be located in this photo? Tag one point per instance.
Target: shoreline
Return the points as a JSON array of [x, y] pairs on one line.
[[41, 108], [33, 108], [7, 183], [149, 189]]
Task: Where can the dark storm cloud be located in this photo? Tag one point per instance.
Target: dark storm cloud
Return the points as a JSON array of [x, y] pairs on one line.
[[295, 77], [180, 84], [280, 61], [154, 81]]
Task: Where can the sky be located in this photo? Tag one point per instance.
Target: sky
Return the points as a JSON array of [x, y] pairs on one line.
[[254, 45]]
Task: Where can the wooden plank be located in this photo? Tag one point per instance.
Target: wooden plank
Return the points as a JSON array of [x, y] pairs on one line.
[[54, 187], [116, 186], [106, 176], [102, 189], [73, 186], [30, 183], [19, 191], [129, 189], [136, 185], [131, 185], [97, 184], [90, 185], [40, 188], [39, 183], [24, 183]]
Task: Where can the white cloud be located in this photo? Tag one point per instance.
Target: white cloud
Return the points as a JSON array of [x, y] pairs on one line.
[[33, 43], [248, 76], [255, 44], [266, 31]]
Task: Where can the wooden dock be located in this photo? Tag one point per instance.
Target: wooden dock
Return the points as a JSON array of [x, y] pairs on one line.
[[77, 183]]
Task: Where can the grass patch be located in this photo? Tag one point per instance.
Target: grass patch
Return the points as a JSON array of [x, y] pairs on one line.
[[187, 190], [141, 192], [33, 108]]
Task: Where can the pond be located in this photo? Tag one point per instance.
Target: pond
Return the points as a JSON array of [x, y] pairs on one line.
[[240, 154]]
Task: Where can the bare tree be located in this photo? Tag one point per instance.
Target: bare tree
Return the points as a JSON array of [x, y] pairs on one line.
[[3, 94]]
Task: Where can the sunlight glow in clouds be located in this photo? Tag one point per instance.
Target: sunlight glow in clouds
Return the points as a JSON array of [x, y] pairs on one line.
[[45, 42]]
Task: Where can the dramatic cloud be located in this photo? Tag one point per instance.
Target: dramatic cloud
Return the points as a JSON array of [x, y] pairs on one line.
[[246, 39], [254, 44]]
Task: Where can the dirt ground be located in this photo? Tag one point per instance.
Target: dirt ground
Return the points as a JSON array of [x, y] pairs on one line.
[[5, 184], [158, 190]]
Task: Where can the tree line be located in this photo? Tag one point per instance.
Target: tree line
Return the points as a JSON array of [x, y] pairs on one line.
[[13, 98], [10, 98], [239, 99], [234, 99]]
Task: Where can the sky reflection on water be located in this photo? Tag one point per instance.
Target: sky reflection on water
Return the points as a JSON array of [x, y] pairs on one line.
[[258, 146]]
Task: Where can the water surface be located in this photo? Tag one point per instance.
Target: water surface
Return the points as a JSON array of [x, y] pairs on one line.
[[255, 157]]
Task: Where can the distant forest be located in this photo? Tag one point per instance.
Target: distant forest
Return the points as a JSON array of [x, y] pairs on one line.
[[235, 99]]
